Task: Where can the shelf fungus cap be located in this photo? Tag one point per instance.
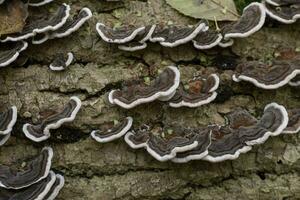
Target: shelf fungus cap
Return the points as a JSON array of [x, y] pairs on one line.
[[112, 132], [36, 3], [4, 138], [282, 2], [38, 169], [268, 77], [11, 54], [174, 36], [162, 148], [295, 82], [118, 35], [133, 46], [207, 39], [61, 62], [286, 14], [41, 132], [199, 152], [251, 21], [201, 91], [72, 25], [55, 188], [37, 191], [294, 121], [8, 119], [162, 88]]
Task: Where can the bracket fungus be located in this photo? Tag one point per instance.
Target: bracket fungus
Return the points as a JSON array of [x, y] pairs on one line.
[[295, 81], [162, 88], [36, 170], [281, 2], [61, 62], [294, 121], [207, 39], [36, 3], [35, 26], [200, 91], [9, 54], [172, 36], [41, 131], [4, 138], [8, 119], [55, 188], [111, 131], [252, 19], [286, 14], [163, 143], [265, 76]]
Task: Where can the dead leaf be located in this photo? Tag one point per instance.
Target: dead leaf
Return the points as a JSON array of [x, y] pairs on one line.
[[221, 10], [12, 16]]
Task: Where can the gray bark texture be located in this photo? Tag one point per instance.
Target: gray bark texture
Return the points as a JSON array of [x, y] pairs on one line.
[[113, 171]]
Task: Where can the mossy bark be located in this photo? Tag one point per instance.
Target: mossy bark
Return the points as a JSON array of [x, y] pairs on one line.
[[96, 171]]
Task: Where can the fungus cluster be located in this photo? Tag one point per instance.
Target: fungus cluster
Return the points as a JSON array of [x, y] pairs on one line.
[[8, 119], [39, 29], [35, 180]]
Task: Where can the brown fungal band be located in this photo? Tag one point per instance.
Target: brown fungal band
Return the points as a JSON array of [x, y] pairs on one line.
[[36, 26], [252, 19], [11, 53], [265, 76], [37, 191], [207, 39], [163, 143], [294, 121], [36, 170], [201, 91], [162, 88], [41, 132], [8, 119], [286, 14], [61, 62], [111, 131]]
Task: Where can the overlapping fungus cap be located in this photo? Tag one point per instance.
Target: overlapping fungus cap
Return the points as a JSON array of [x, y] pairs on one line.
[[172, 36], [294, 121], [36, 3], [163, 143], [119, 35], [36, 170], [8, 119], [282, 2], [112, 131], [295, 81], [199, 152], [55, 188], [201, 91], [207, 39], [4, 138], [162, 88], [61, 62], [36, 191], [10, 52], [36, 25], [286, 14], [41, 131], [265, 76], [252, 19]]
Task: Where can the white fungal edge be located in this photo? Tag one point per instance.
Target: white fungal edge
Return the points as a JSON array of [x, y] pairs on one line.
[[12, 121], [57, 189], [226, 44], [45, 174], [76, 27], [2, 1], [234, 156], [194, 156], [271, 2], [15, 56], [131, 49], [294, 84], [118, 41], [285, 21], [115, 136], [284, 131], [278, 131], [209, 46], [255, 28], [149, 34], [56, 125], [263, 85], [47, 188], [159, 94], [67, 63], [44, 2], [203, 102], [4, 139], [40, 41], [158, 157], [196, 31]]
